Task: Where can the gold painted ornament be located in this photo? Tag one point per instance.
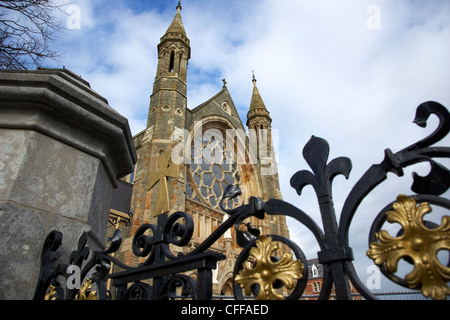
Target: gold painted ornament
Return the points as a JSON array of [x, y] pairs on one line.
[[85, 293], [417, 242], [51, 293], [166, 169], [260, 269]]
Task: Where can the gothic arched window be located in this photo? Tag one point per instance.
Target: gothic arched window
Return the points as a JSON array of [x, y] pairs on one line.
[[172, 61]]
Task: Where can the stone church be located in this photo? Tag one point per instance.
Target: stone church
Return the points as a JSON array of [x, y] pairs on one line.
[[186, 158]]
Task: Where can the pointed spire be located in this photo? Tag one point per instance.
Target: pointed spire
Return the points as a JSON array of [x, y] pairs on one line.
[[257, 106], [177, 24], [256, 102], [175, 33]]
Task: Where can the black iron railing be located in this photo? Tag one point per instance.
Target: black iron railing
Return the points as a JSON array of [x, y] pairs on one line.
[[274, 267]]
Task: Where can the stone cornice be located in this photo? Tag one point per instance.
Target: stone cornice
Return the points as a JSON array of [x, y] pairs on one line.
[[57, 103]]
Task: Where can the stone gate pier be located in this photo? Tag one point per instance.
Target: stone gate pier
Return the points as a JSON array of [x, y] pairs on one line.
[[62, 149]]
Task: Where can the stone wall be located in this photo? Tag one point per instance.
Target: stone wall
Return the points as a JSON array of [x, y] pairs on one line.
[[62, 150]]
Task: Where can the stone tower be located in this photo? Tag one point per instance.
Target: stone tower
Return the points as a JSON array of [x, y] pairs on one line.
[[158, 190], [216, 153], [259, 124], [166, 117]]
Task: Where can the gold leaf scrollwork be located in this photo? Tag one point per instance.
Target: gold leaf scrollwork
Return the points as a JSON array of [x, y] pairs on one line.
[[417, 242], [262, 270], [85, 293], [51, 293]]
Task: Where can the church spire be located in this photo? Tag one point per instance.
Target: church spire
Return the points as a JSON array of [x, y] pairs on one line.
[[258, 109], [174, 50], [177, 24]]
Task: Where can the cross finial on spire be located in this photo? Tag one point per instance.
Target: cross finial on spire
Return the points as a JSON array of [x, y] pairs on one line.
[[254, 78], [179, 6]]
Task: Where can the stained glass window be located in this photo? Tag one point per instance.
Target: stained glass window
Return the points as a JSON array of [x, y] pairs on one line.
[[211, 170]]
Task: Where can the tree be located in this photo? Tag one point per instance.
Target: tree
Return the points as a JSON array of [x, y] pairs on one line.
[[27, 29]]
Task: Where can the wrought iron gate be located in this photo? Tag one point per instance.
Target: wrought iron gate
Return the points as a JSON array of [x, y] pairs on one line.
[[258, 271]]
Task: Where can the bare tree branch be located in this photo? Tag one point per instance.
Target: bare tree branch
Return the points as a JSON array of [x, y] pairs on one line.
[[27, 29]]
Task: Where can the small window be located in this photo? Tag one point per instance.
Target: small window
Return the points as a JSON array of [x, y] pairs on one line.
[[316, 286], [172, 61], [226, 107], [314, 271]]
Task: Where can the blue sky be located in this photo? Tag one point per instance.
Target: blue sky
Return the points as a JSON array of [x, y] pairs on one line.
[[334, 69]]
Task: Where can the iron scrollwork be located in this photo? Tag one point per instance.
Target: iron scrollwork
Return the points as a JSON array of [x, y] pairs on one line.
[[272, 266], [335, 254], [168, 231], [93, 270], [179, 286]]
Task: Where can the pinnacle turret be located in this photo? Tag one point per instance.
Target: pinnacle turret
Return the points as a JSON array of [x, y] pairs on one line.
[[257, 107]]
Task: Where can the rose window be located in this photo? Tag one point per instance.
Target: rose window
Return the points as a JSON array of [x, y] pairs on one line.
[[211, 170]]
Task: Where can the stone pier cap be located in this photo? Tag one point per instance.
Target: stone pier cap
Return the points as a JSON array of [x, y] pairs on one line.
[[60, 104]]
